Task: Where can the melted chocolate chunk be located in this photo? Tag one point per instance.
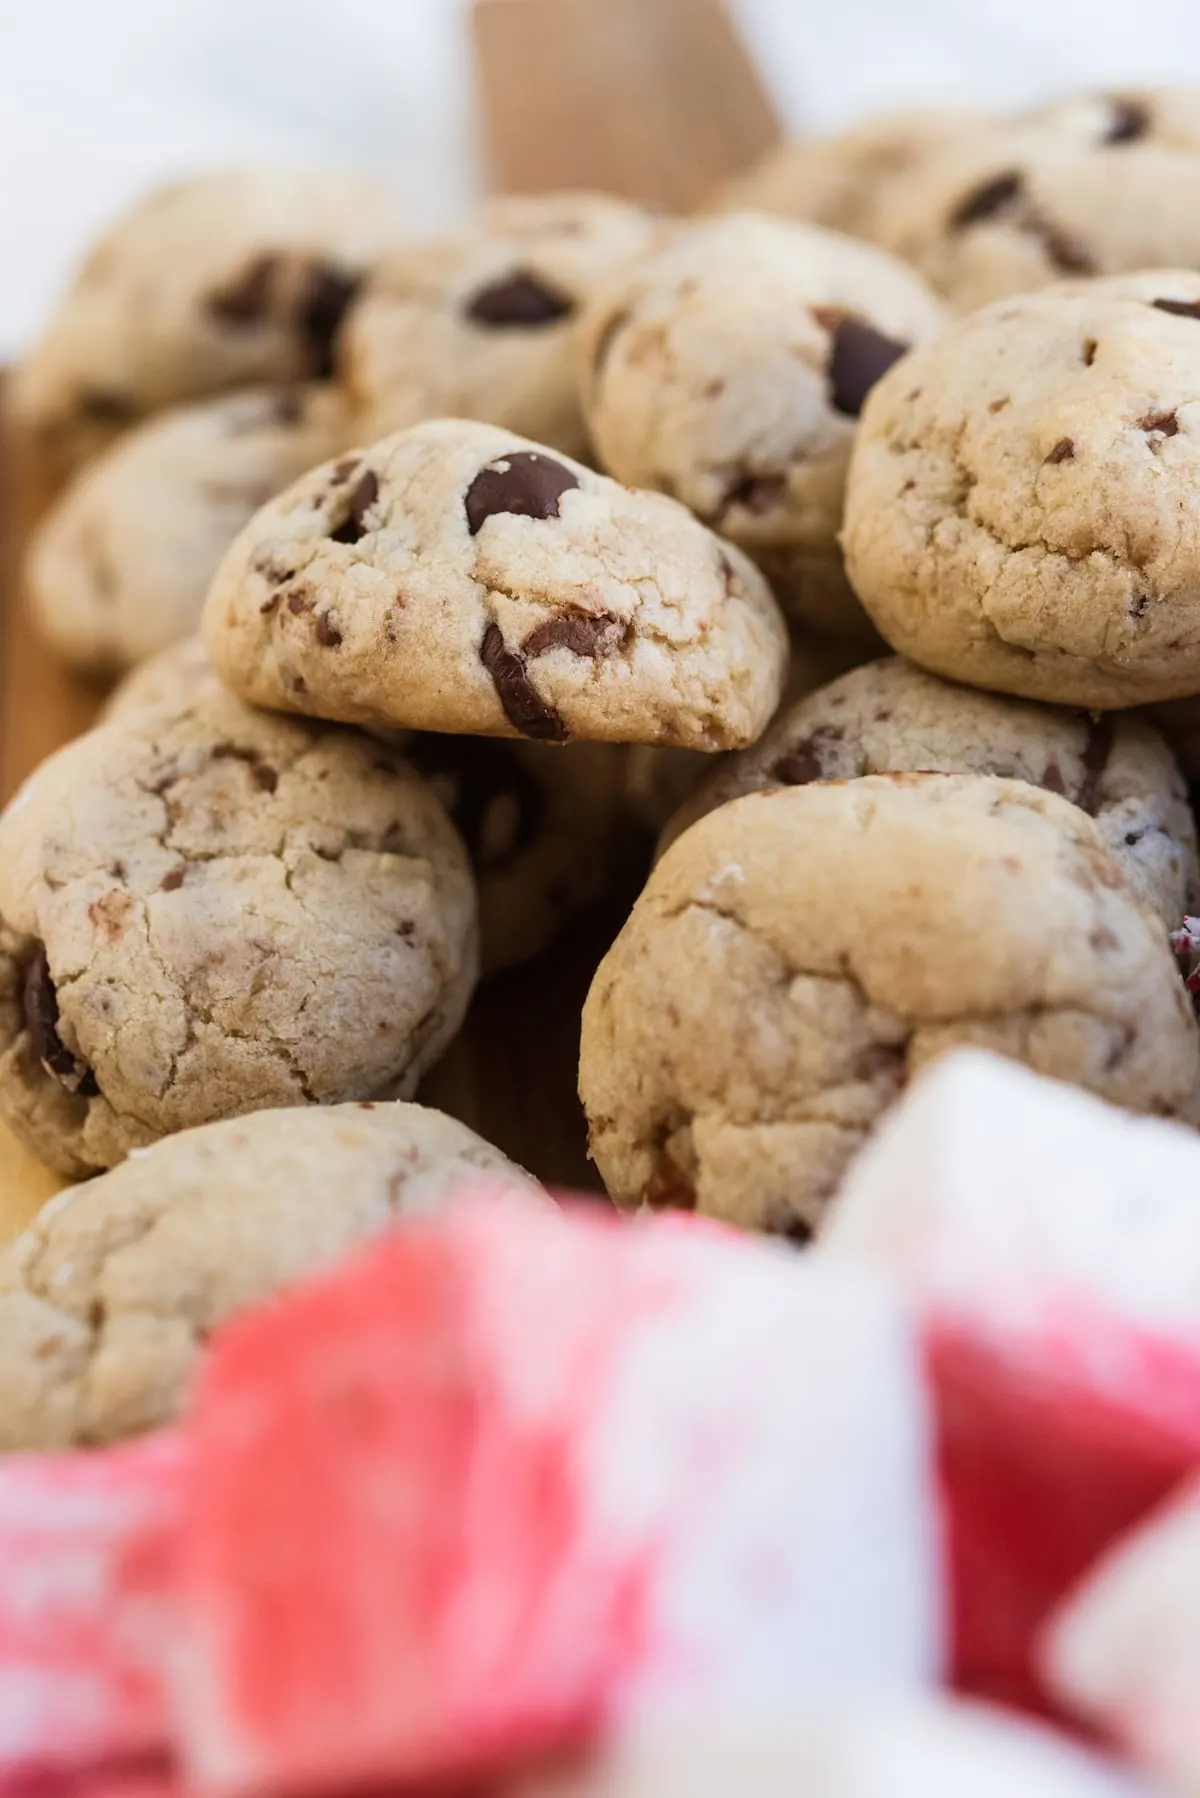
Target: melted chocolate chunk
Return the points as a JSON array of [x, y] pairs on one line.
[[172, 881], [523, 705], [987, 200], [326, 300], [328, 634], [495, 803], [522, 299], [265, 778], [860, 356], [583, 633], [1178, 308], [41, 1020], [1129, 121], [1065, 252], [246, 300], [1162, 424], [1096, 751], [526, 483], [1063, 451], [358, 502]]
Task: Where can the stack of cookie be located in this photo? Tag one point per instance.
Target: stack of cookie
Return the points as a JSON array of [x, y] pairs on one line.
[[510, 543]]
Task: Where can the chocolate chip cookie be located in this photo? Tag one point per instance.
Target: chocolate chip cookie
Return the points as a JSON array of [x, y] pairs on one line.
[[482, 323], [119, 567], [891, 717], [730, 369], [1019, 510], [843, 180], [208, 911], [457, 578], [1166, 116], [210, 283], [106, 1300], [797, 954], [1024, 205]]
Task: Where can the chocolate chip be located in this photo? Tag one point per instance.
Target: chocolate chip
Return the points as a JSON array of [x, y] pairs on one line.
[[985, 201], [796, 1230], [172, 882], [1178, 308], [583, 633], [1096, 751], [1089, 352], [1164, 424], [357, 503], [1063, 451], [106, 407], [269, 605], [523, 705], [328, 634], [494, 802], [1129, 121], [299, 602], [41, 1020], [264, 777], [756, 493], [246, 299], [669, 1185], [324, 304], [521, 298], [861, 355], [526, 483], [805, 761], [1065, 252]]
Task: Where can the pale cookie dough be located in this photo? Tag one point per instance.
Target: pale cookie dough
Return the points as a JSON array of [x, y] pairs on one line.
[[119, 567], [540, 823], [208, 911], [659, 780], [892, 718], [207, 284], [1017, 208], [1020, 511], [797, 955], [457, 578], [729, 370], [482, 323], [844, 180], [106, 1301]]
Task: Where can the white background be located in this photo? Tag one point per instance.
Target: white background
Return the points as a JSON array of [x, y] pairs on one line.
[[101, 98]]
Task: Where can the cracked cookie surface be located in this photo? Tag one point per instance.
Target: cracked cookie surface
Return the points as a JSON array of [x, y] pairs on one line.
[[482, 323], [119, 567], [1029, 203], [797, 955], [457, 578], [729, 370], [108, 1297], [891, 717], [207, 284], [1019, 510], [209, 911], [540, 823]]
